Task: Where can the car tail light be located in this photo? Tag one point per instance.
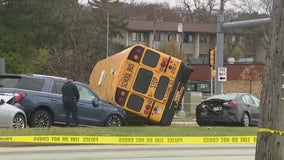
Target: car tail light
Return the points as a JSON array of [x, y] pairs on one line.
[[120, 96], [19, 97], [199, 106], [232, 104]]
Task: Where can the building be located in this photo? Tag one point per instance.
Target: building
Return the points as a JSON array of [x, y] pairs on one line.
[[196, 38]]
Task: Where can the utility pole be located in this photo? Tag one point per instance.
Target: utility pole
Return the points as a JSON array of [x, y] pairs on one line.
[[220, 47]]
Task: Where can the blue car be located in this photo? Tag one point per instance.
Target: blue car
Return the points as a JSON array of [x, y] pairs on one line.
[[41, 98]]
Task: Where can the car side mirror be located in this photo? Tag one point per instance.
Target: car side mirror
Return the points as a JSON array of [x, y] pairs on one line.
[[2, 101], [96, 102]]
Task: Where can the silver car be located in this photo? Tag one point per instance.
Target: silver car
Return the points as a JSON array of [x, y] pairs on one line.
[[11, 116]]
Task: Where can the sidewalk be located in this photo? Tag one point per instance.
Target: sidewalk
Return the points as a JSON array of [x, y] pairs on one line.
[[184, 120], [192, 123]]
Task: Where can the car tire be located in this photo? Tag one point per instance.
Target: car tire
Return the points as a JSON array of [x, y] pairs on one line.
[[19, 121], [41, 118], [114, 120], [245, 120]]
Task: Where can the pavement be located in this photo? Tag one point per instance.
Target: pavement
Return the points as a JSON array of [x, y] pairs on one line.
[[185, 123], [184, 120]]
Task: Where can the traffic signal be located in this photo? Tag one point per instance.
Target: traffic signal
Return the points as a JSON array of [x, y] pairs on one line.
[[211, 57]]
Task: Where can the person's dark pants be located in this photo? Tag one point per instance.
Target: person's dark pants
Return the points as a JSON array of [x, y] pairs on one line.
[[71, 108]]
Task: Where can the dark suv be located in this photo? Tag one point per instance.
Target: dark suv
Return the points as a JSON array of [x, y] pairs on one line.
[[41, 99]]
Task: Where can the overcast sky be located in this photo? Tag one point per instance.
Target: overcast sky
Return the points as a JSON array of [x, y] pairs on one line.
[[171, 2]]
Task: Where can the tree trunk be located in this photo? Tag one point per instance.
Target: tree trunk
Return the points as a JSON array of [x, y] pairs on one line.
[[270, 143]]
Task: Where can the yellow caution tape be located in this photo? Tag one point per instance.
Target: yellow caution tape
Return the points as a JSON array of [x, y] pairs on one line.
[[281, 133], [131, 140]]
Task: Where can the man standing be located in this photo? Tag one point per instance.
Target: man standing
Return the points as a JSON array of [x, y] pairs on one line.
[[70, 97]]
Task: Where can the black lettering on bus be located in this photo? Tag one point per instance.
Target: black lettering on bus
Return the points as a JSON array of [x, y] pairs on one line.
[[173, 70], [127, 76], [130, 67], [154, 83], [125, 80]]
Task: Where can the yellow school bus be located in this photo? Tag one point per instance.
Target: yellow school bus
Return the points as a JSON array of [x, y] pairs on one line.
[[149, 84]]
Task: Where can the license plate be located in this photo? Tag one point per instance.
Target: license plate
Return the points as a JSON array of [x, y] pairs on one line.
[[217, 108]]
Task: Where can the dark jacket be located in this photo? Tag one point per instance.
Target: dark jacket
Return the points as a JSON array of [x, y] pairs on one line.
[[70, 92]]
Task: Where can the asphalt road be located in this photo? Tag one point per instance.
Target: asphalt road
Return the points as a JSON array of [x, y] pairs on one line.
[[129, 152]]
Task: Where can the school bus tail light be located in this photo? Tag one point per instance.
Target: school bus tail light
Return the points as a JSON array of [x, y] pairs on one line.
[[163, 64], [136, 54], [148, 106], [120, 96]]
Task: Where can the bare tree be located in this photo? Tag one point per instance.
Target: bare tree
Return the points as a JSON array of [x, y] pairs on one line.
[[270, 141], [200, 9], [252, 6]]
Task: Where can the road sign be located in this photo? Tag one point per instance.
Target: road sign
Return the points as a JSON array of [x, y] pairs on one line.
[[222, 74]]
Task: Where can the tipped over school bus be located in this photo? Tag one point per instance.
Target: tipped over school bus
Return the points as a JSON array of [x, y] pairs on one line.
[[149, 84]]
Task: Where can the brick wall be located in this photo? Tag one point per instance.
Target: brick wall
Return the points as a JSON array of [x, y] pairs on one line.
[[243, 86]]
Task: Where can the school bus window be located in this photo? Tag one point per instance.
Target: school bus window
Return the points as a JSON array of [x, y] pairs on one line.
[[162, 87], [143, 80], [151, 58], [135, 102]]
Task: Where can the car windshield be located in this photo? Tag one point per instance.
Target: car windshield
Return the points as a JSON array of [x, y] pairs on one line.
[[224, 96]]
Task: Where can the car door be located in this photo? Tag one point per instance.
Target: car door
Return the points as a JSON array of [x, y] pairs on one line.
[[252, 107], [89, 114], [257, 110], [4, 116], [56, 101]]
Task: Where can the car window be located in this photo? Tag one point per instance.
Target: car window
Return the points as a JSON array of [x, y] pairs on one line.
[[57, 87], [9, 82], [248, 100], [224, 96], [256, 100], [85, 92], [31, 84]]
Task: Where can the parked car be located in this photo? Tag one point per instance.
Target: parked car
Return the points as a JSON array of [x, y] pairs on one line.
[[11, 116], [41, 98], [228, 109]]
